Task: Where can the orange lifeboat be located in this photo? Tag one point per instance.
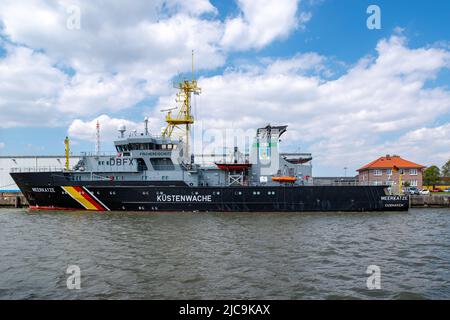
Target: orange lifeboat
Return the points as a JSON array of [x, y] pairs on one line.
[[284, 179]]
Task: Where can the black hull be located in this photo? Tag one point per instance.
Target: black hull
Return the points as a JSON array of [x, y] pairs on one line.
[[57, 191]]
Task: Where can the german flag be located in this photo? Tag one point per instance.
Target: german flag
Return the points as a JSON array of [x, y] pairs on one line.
[[86, 198]]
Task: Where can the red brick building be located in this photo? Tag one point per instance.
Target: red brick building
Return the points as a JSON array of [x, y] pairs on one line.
[[386, 171]]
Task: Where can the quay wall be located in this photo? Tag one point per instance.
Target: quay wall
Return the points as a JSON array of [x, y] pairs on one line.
[[12, 199], [435, 201]]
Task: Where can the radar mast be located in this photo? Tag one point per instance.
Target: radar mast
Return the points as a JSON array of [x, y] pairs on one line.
[[184, 118]]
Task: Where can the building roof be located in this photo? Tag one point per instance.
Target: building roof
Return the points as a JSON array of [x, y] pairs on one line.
[[389, 162]]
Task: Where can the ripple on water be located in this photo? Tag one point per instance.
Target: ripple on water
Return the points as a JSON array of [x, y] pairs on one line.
[[224, 256]]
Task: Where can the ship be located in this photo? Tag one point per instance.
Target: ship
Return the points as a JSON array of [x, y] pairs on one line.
[[158, 173]]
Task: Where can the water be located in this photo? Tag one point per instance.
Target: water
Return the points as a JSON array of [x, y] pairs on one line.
[[224, 256]]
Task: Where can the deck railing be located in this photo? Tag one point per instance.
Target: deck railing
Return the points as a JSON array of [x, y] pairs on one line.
[[38, 169], [99, 154]]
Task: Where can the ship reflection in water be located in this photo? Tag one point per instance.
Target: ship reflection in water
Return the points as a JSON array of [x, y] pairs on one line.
[[223, 256]]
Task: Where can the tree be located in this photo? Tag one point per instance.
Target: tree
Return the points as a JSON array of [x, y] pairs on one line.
[[446, 169], [432, 176]]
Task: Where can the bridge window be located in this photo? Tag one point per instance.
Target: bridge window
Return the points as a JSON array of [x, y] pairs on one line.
[[141, 164], [122, 148], [162, 164], [167, 146]]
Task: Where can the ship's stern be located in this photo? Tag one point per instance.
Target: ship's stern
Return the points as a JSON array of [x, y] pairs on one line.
[[395, 202]]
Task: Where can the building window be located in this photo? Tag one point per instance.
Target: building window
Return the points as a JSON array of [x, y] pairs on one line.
[[377, 172], [413, 183], [389, 172], [413, 172]]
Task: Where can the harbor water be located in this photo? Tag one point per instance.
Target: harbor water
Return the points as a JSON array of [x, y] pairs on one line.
[[224, 256]]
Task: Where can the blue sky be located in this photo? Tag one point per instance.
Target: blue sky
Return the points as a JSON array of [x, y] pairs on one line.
[[112, 68]]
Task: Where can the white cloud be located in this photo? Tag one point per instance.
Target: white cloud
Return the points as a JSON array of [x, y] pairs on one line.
[[29, 88], [86, 130], [85, 93], [196, 8], [298, 64], [346, 121], [2, 145], [119, 37], [429, 145], [260, 22], [121, 54]]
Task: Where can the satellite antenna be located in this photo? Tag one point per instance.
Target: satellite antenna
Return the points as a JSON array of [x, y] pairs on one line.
[[122, 130]]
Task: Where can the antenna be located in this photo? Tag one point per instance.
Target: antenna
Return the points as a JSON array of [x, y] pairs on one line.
[[97, 136], [193, 75], [67, 149], [167, 110], [146, 125]]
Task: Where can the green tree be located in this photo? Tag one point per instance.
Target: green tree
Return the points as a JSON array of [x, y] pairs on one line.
[[446, 169], [432, 176]]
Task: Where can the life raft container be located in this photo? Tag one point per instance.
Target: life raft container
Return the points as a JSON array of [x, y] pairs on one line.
[[284, 179]]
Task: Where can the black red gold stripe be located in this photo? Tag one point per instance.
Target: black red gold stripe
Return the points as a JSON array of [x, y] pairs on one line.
[[85, 198]]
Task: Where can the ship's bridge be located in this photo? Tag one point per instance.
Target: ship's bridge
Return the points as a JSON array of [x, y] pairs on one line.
[[148, 143]]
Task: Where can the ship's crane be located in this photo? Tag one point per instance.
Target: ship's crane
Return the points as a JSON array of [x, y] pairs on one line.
[[170, 109], [184, 118]]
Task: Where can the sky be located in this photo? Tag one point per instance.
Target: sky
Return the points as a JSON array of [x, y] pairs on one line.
[[349, 94]]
